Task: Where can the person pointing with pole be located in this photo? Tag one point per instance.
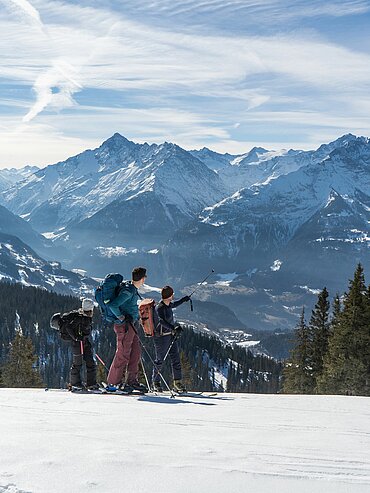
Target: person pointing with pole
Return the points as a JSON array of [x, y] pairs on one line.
[[165, 342]]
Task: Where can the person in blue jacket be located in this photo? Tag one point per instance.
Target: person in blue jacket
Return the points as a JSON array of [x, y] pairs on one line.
[[128, 349], [166, 334]]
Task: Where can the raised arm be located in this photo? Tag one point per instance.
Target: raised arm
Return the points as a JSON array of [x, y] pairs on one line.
[[179, 302]]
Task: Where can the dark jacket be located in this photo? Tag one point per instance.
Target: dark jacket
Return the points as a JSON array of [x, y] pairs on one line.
[[165, 315], [76, 325]]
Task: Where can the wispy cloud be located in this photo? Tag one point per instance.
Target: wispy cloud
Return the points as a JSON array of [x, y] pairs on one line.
[[149, 79], [25, 9], [266, 12], [54, 88]]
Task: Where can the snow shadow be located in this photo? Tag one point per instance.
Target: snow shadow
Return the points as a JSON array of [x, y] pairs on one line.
[[169, 400]]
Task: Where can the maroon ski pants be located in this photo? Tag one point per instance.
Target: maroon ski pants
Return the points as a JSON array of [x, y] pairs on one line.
[[127, 355]]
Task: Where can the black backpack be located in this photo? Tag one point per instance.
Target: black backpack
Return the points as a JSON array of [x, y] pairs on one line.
[[71, 322]]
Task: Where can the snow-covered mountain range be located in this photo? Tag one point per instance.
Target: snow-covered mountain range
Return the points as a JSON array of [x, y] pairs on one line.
[[120, 190], [264, 218], [10, 176], [294, 234], [275, 225]]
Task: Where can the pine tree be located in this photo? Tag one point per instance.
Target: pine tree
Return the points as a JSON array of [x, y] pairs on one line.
[[347, 363], [337, 309], [187, 373], [319, 329], [297, 374], [19, 371]]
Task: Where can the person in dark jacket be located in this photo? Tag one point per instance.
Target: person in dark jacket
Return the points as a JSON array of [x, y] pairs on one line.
[[78, 326], [165, 337], [128, 349]]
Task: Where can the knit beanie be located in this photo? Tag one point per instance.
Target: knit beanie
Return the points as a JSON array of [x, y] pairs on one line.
[[167, 291], [87, 305]]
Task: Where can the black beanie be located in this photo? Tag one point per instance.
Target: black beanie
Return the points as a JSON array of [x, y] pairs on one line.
[[167, 291]]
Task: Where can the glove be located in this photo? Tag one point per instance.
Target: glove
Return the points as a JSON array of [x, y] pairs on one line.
[[177, 330], [186, 298]]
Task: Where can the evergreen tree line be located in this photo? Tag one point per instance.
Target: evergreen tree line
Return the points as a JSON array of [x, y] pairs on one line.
[[331, 354], [33, 355]]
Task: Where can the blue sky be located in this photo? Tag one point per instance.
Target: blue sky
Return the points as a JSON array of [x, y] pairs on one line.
[[226, 74]]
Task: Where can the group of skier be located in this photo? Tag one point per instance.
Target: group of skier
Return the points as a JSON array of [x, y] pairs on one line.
[[123, 373]]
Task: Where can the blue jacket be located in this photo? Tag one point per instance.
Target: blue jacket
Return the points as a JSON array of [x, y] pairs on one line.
[[126, 302]]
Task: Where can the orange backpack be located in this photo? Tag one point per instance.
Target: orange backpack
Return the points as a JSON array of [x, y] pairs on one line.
[[148, 316]]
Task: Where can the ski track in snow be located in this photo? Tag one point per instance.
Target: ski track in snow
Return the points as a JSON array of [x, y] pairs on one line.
[[56, 442]]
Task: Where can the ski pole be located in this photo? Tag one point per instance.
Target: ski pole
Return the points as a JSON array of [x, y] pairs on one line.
[[200, 283], [153, 363], [102, 362], [145, 374], [82, 348], [157, 369], [169, 349]]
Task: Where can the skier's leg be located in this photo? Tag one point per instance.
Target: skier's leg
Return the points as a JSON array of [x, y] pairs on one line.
[[161, 346], [121, 358], [90, 363], [175, 361], [134, 357], [75, 373]]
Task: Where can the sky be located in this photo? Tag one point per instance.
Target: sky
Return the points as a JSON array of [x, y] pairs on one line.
[[225, 74]]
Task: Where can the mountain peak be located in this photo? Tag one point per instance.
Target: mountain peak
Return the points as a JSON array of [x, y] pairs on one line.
[[254, 155], [117, 140], [334, 197]]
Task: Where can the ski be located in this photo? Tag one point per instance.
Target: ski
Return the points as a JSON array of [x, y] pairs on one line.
[[78, 391], [196, 394], [121, 392], [87, 391], [186, 394]]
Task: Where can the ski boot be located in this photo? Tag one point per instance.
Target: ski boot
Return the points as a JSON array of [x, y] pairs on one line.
[[138, 387], [95, 386], [76, 388], [111, 388], [179, 387], [157, 387]]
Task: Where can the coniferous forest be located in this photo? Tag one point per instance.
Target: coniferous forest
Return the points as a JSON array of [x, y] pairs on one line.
[[33, 355], [331, 353]]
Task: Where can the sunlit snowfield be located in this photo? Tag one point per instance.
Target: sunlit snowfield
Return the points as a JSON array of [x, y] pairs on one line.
[[55, 442]]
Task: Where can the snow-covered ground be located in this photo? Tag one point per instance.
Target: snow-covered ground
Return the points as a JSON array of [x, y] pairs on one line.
[[54, 442]]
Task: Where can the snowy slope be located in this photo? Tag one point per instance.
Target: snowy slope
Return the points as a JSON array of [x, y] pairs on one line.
[[10, 176], [14, 225], [19, 263], [260, 166], [60, 442], [212, 159]]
